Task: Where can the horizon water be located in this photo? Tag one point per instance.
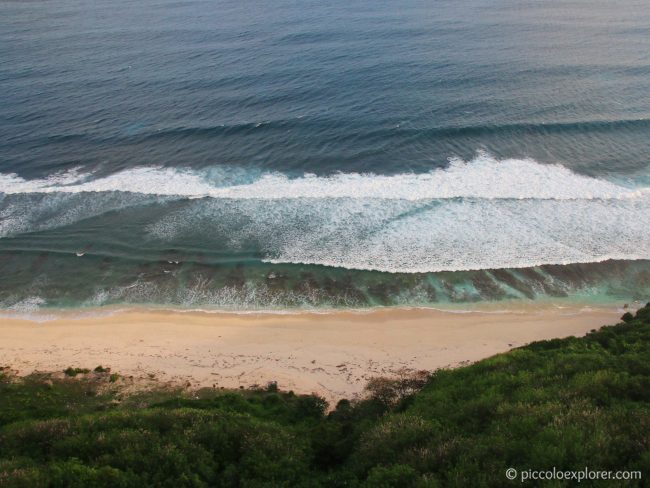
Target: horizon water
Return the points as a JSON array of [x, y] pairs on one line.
[[308, 156]]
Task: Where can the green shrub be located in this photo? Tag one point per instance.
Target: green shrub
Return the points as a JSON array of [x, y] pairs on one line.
[[627, 317], [565, 403], [75, 371], [396, 476]]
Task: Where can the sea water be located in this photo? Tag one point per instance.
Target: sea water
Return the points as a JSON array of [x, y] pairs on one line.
[[316, 155]]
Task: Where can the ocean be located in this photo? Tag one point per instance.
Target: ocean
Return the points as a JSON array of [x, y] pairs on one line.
[[302, 155]]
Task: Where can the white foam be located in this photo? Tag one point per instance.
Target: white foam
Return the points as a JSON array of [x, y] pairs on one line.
[[466, 235], [482, 214], [421, 236], [29, 304], [29, 212], [26, 305], [483, 177]]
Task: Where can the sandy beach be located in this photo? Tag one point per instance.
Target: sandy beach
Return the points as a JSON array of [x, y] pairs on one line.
[[331, 354]]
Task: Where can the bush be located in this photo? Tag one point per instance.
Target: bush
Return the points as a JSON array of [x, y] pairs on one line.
[[396, 476], [75, 371], [567, 403]]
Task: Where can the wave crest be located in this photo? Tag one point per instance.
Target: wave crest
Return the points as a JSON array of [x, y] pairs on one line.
[[483, 177], [482, 214]]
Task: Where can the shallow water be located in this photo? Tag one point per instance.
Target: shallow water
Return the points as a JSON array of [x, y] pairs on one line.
[[278, 155]]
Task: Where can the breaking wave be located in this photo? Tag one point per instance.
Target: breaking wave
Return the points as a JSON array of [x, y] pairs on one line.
[[483, 177], [482, 214]]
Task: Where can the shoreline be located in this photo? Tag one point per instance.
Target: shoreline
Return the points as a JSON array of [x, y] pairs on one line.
[[506, 306], [332, 354]]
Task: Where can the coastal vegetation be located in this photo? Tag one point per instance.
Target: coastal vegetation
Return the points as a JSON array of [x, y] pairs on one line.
[[565, 404]]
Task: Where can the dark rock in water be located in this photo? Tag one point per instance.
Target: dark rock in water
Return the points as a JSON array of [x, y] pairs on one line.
[[458, 296], [145, 270], [432, 295], [576, 276], [276, 281], [38, 262], [449, 290], [641, 279], [486, 286], [6, 259], [343, 290], [61, 279], [306, 285], [204, 271], [105, 264], [412, 287], [585, 274], [384, 292], [540, 281], [235, 277], [155, 272], [173, 256], [196, 281], [513, 282]]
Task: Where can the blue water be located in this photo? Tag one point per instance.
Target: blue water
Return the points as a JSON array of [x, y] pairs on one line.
[[246, 155]]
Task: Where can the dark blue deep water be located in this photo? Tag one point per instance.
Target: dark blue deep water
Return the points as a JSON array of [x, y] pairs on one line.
[[269, 155]]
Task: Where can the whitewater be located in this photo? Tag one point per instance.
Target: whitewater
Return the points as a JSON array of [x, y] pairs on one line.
[[482, 177], [481, 214]]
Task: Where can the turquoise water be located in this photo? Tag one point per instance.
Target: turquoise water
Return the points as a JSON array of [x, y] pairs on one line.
[[258, 155]]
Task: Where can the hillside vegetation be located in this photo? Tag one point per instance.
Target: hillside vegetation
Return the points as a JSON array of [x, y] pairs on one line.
[[569, 404]]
